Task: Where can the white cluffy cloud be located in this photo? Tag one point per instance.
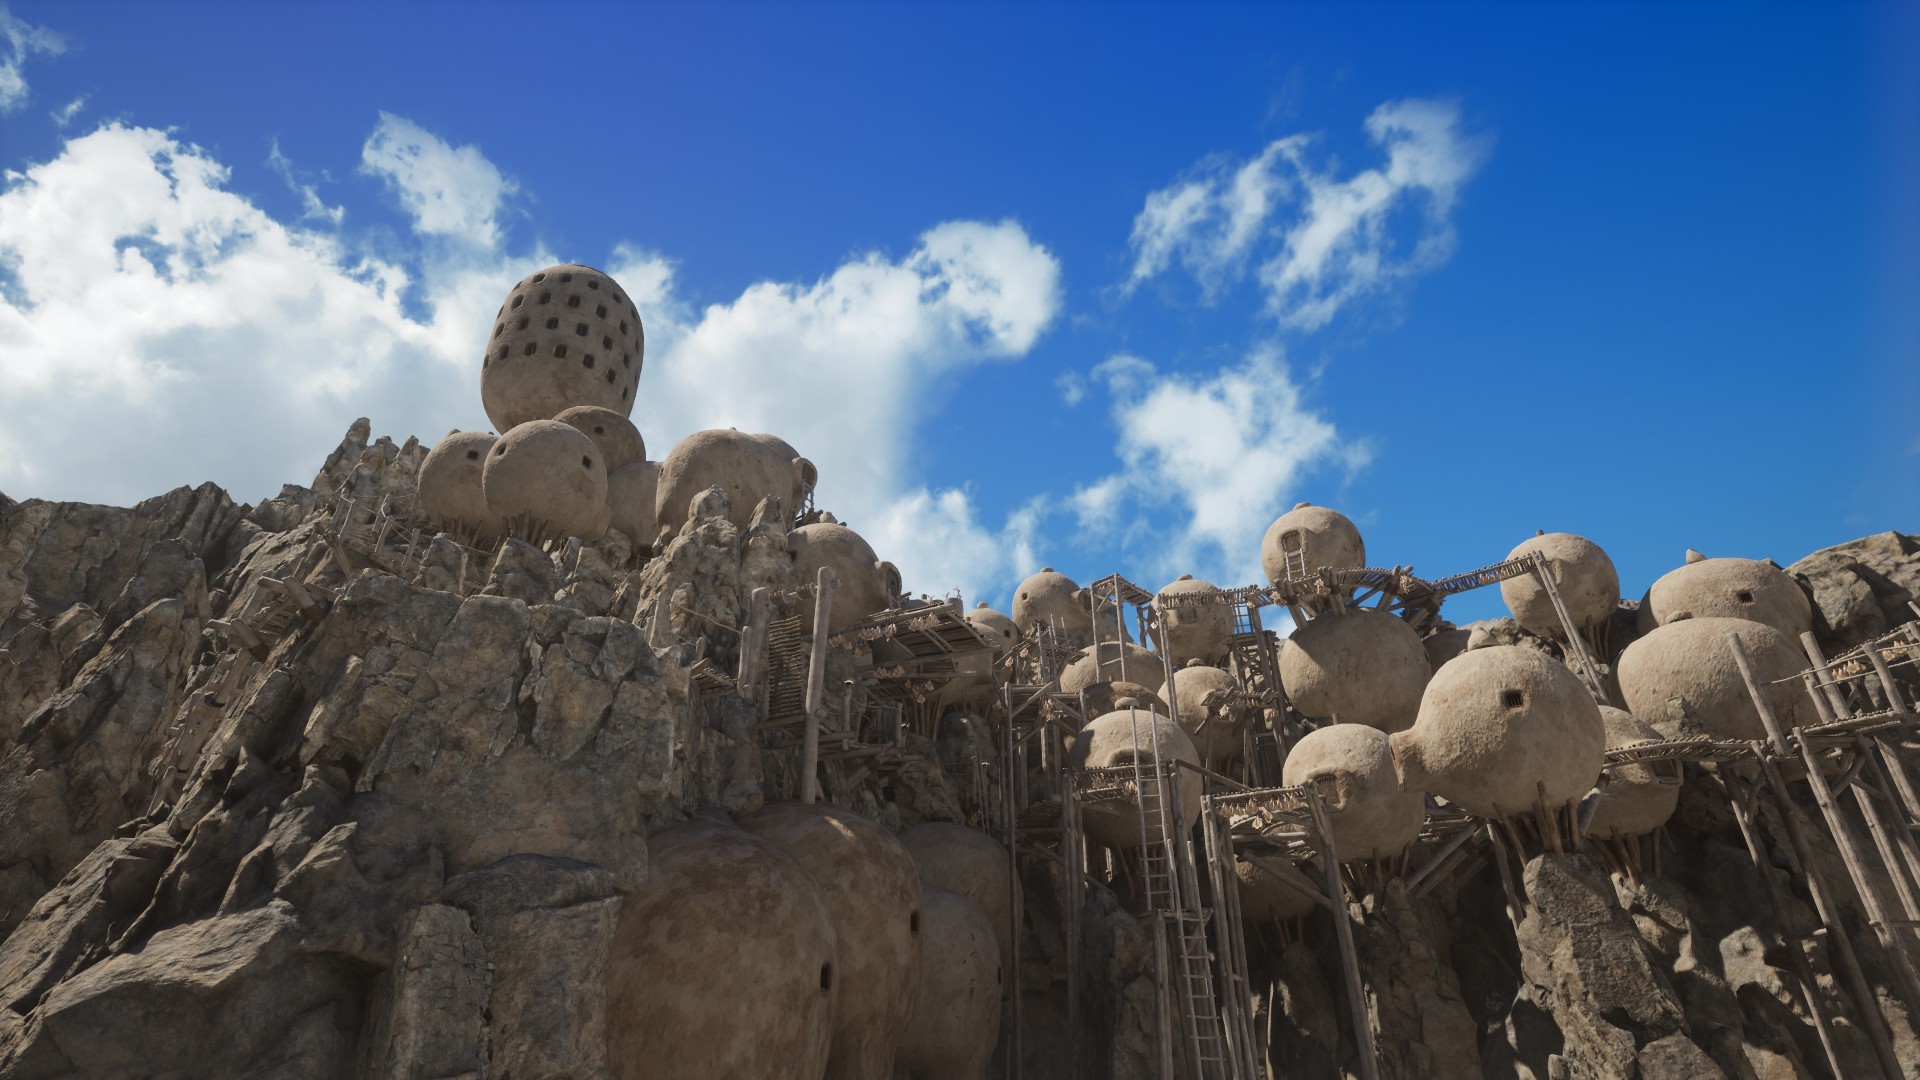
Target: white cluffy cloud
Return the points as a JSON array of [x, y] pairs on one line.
[[19, 40], [159, 328], [1322, 240], [1221, 454]]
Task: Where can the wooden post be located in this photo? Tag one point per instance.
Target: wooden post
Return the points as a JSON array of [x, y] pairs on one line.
[[824, 584], [1897, 947], [1796, 954], [1343, 929], [753, 644], [1895, 702], [1829, 690]]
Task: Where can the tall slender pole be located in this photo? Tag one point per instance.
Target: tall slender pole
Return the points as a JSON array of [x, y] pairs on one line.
[[824, 584], [1343, 930]]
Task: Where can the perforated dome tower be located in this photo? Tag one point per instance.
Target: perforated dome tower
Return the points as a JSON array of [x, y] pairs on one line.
[[1500, 729], [449, 487], [1352, 764], [1581, 571], [565, 336], [619, 441], [1048, 598], [872, 890], [1638, 798], [1363, 667], [747, 467], [1120, 738], [866, 584], [1732, 589], [1194, 633], [1306, 538], [723, 963], [1682, 680], [547, 481]]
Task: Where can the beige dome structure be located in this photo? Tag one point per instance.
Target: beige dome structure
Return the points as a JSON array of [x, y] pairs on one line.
[[1049, 598], [1682, 680], [994, 626], [1309, 537], [631, 496], [747, 467], [1264, 899], [956, 1012], [1218, 728], [1444, 645], [547, 481], [619, 441], [1106, 697], [1581, 571], [449, 487], [866, 584], [1352, 765], [1501, 728], [566, 336], [1363, 667], [1638, 799], [1119, 738], [723, 963], [1194, 633], [1732, 589], [872, 890], [1118, 662], [974, 865]]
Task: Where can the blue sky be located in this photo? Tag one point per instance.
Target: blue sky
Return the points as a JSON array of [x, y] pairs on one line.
[[1096, 288]]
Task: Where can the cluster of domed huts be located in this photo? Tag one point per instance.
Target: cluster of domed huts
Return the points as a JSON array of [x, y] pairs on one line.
[[873, 949]]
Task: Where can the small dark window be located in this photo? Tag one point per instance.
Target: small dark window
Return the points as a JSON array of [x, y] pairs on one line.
[[516, 301], [473, 455], [560, 350], [1744, 596], [573, 301], [600, 310], [609, 376], [593, 283], [606, 342], [545, 296], [580, 330], [499, 328], [531, 349], [586, 463], [522, 324], [586, 361], [564, 278], [913, 922], [623, 326], [501, 449], [599, 431], [623, 394], [553, 324], [626, 360], [1513, 699], [540, 277], [826, 976]]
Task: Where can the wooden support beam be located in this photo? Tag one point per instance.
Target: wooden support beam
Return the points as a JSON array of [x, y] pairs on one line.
[[825, 583], [1343, 930]]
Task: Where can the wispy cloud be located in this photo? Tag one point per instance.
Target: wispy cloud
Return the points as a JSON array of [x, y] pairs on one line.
[[311, 205], [1224, 452], [450, 191], [1319, 240], [19, 40], [64, 115]]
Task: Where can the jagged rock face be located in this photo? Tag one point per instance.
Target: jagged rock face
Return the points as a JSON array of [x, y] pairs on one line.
[[1730, 589], [748, 468], [1863, 588], [873, 894], [724, 963], [1361, 667], [956, 1012], [1682, 679], [1582, 572]]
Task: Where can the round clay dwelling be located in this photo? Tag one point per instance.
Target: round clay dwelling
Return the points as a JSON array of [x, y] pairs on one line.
[[1683, 681], [1194, 633], [619, 441], [546, 480], [1050, 598], [567, 335], [747, 467], [1120, 738], [1638, 798], [1582, 572], [1309, 537], [1733, 589], [1352, 765], [449, 489], [1361, 667]]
